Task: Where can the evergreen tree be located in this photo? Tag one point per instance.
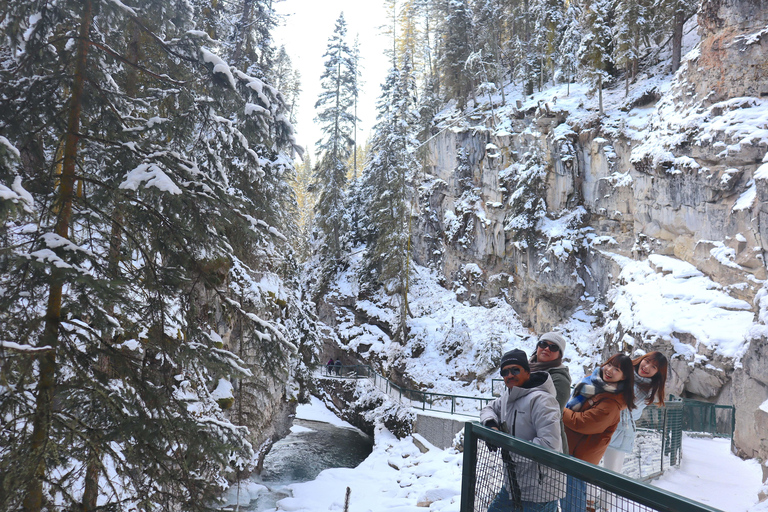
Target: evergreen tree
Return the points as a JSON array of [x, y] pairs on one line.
[[628, 36], [334, 107], [548, 20], [306, 204], [146, 177], [288, 81], [675, 14], [490, 30], [568, 59], [455, 34], [389, 170], [595, 52]]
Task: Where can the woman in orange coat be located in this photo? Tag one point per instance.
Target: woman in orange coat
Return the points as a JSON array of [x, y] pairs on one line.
[[591, 416]]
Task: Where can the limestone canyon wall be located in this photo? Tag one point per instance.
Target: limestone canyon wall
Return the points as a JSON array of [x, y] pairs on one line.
[[680, 186]]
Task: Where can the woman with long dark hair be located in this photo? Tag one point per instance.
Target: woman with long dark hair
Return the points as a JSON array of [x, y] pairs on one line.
[[591, 416], [650, 380]]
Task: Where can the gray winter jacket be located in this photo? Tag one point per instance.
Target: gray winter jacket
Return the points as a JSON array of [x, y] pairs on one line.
[[532, 414]]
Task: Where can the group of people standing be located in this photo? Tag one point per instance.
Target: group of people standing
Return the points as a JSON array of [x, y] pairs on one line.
[[595, 422], [332, 367]]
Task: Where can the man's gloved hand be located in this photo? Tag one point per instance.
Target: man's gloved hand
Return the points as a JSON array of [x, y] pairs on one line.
[[495, 426]]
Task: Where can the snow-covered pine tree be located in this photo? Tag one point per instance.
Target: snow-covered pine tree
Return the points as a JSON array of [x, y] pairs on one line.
[[673, 14], [549, 18], [335, 115], [388, 174], [455, 44], [567, 55], [287, 80], [628, 35], [489, 22], [596, 50], [306, 203], [136, 187]]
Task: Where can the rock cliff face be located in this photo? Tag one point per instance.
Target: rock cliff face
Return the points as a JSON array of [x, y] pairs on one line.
[[678, 174]]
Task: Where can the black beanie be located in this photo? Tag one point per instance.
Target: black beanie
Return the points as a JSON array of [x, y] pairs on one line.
[[517, 357]]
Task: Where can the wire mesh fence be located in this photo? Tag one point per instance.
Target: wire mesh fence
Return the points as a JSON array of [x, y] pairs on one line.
[[503, 473], [658, 441]]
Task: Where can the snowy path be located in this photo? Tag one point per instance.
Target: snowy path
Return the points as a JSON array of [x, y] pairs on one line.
[[711, 474]]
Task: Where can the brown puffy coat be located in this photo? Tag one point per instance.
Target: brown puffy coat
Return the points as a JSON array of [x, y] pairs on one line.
[[590, 429]]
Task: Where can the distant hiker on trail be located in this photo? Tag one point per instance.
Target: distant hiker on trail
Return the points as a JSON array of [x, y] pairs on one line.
[[549, 358], [591, 417], [338, 367], [329, 366], [528, 410]]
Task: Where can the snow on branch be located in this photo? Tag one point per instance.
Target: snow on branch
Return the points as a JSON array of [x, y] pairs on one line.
[[122, 6], [153, 176], [219, 66], [10, 345], [5, 142], [54, 241], [17, 194]]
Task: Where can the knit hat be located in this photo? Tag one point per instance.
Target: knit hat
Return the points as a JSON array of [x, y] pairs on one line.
[[555, 338], [517, 357]]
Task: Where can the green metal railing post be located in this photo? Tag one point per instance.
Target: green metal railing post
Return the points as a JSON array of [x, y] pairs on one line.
[[468, 478]]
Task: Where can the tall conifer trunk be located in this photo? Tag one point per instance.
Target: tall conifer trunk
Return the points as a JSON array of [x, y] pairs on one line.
[[677, 38], [63, 206]]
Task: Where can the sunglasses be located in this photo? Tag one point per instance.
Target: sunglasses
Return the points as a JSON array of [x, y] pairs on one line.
[[510, 371], [551, 346]]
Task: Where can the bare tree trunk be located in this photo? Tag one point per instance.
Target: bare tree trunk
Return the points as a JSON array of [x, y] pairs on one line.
[[242, 27], [626, 82], [677, 39], [600, 94], [41, 422]]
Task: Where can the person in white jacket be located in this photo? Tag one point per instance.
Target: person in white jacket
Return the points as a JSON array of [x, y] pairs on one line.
[[527, 410]]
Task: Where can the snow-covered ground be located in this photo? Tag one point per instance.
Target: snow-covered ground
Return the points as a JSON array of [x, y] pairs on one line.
[[397, 477]]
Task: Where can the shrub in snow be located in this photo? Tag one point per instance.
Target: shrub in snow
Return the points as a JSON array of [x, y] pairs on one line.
[[488, 354], [456, 341], [398, 419]]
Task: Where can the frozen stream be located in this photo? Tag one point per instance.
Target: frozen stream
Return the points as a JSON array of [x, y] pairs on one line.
[[311, 447]]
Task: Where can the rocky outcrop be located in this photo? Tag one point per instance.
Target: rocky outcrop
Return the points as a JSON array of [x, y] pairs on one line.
[[542, 208], [734, 44]]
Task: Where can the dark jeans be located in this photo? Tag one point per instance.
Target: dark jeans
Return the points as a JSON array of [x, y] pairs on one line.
[[575, 496], [503, 503]]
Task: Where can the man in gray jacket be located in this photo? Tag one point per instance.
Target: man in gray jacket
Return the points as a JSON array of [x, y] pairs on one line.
[[527, 410]]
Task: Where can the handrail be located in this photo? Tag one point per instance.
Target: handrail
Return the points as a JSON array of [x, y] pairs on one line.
[[620, 485], [428, 400]]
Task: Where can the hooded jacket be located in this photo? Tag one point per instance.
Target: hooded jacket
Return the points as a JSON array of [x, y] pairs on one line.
[[589, 429], [530, 413]]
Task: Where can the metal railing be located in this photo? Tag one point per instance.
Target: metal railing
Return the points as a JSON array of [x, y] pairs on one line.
[[356, 371], [658, 441], [709, 418], [506, 473], [428, 401]]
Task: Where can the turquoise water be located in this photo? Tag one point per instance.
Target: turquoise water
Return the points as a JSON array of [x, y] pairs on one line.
[[301, 456]]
